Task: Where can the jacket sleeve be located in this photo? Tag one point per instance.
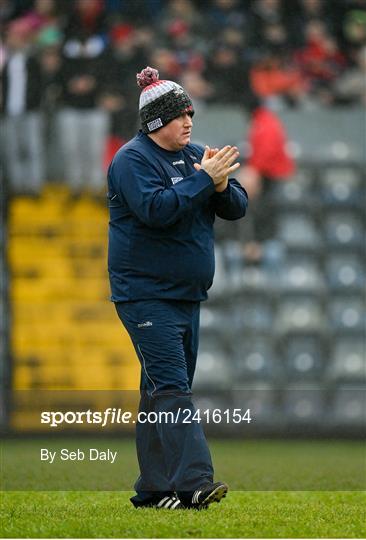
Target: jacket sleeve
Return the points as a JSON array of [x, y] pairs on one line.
[[231, 203], [138, 183]]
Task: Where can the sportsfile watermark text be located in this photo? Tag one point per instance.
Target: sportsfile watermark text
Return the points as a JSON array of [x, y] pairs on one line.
[[113, 416]]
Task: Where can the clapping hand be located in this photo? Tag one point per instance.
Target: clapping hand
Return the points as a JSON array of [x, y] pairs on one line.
[[219, 164]]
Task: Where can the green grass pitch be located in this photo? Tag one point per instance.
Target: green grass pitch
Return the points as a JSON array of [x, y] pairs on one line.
[[285, 495]]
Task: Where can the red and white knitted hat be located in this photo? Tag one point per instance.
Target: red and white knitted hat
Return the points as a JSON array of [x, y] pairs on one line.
[[160, 101]]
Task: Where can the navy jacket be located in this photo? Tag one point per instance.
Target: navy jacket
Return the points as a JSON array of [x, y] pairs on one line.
[[162, 211]]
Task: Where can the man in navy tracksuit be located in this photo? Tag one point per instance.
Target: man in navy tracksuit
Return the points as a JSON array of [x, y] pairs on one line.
[[163, 195]]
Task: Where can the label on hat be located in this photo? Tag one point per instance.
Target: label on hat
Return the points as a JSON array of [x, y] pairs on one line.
[[154, 124]]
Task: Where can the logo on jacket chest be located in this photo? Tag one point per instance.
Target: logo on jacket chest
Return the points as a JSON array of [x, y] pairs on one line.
[[176, 179]]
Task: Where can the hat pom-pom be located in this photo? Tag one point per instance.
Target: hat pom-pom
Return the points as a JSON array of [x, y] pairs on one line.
[[147, 76]]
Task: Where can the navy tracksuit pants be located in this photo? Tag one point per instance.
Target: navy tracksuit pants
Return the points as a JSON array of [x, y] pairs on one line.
[[172, 456]]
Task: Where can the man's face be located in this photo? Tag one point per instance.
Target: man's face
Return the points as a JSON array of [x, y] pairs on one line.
[[177, 134]]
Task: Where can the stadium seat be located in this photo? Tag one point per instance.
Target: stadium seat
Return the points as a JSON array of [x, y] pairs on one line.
[[341, 132], [234, 262], [344, 230], [298, 231], [296, 193], [348, 407], [254, 315], [304, 405], [347, 314], [304, 358], [220, 283], [345, 273], [214, 367], [256, 281], [300, 315], [301, 276], [216, 322], [66, 333], [347, 359], [255, 359], [341, 187], [225, 229]]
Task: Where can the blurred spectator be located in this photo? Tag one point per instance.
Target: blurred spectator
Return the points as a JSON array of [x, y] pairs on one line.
[[21, 100], [272, 77], [313, 9], [9, 10], [306, 12], [42, 14], [181, 11], [354, 25], [320, 61], [275, 37], [165, 62], [351, 86], [223, 13], [83, 125], [140, 13], [144, 39], [49, 41], [233, 37], [122, 59], [118, 90], [185, 46], [264, 13], [267, 142], [197, 87], [87, 18], [267, 163], [227, 74], [89, 50]]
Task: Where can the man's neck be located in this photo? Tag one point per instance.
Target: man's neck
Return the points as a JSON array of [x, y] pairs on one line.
[[164, 145]]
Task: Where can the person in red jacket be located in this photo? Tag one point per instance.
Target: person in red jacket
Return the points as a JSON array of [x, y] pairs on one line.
[[268, 161], [268, 139]]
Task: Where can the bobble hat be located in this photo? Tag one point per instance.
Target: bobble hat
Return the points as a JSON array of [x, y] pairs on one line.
[[160, 101]]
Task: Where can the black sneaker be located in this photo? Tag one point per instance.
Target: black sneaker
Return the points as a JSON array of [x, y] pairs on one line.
[[168, 500], [170, 503], [208, 494]]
